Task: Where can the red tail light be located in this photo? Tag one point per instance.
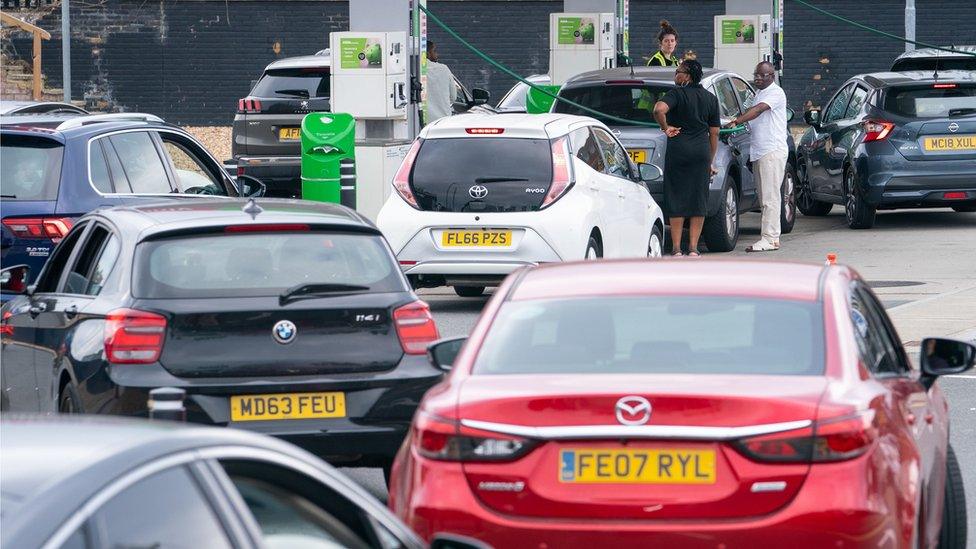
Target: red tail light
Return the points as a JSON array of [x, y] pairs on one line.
[[134, 337], [415, 327], [485, 131], [943, 86], [828, 440], [955, 195], [248, 105], [266, 228], [54, 228], [401, 181], [875, 130], [562, 171], [5, 328], [439, 438]]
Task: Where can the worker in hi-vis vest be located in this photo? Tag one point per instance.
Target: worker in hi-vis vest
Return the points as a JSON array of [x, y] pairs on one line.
[[667, 42]]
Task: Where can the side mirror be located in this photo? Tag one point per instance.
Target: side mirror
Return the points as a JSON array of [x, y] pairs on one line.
[[454, 541], [442, 353], [942, 357], [479, 96], [14, 279], [790, 114], [249, 186], [812, 117], [649, 172]]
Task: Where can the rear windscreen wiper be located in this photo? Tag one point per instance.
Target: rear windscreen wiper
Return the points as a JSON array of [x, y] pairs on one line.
[[317, 289], [966, 110], [293, 93], [498, 179], [8, 196]]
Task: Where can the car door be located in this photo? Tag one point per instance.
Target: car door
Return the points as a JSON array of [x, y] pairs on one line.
[[591, 180], [636, 198], [19, 347], [128, 163], [826, 153], [623, 216], [738, 143], [192, 168]]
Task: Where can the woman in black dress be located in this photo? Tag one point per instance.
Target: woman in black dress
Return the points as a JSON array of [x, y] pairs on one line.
[[688, 115]]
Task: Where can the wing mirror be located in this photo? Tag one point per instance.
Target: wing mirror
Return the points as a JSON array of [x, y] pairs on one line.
[[249, 186], [442, 353], [941, 357], [812, 117], [649, 172], [790, 115], [14, 279], [479, 96]]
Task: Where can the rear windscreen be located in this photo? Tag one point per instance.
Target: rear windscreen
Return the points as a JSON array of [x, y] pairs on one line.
[[934, 63], [932, 102], [30, 167], [261, 264], [630, 102], [293, 83], [659, 334]]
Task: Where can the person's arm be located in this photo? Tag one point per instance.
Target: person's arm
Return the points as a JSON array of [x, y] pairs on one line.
[[750, 114], [713, 142], [661, 116]]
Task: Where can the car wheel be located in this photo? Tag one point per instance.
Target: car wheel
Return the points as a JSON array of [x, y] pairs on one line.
[[655, 246], [964, 209], [593, 250], [387, 470], [69, 402], [953, 531], [721, 231], [804, 195], [787, 215], [469, 291], [860, 215]]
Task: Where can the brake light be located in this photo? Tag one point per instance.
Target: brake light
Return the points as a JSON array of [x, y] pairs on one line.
[[415, 327], [943, 86], [956, 195], [248, 105], [876, 131], [54, 228], [485, 131], [835, 439], [401, 181], [266, 228], [134, 337], [5, 327], [562, 171], [442, 439]]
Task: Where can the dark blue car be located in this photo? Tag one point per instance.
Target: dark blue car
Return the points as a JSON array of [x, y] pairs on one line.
[[57, 168]]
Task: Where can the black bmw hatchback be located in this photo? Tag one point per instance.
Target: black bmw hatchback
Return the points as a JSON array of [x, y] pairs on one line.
[[283, 317]]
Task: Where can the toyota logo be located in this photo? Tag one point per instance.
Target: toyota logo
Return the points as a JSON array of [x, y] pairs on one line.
[[633, 410], [953, 127], [284, 332], [478, 191]]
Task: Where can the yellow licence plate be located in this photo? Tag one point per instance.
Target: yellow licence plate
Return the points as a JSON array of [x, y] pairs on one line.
[[289, 134], [501, 239], [638, 157], [287, 406], [637, 466], [951, 143]]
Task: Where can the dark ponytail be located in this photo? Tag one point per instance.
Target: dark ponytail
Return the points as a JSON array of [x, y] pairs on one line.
[[666, 29]]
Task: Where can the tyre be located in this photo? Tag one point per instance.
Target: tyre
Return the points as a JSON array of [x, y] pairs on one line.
[[721, 231], [469, 291], [68, 401], [964, 209], [804, 195], [787, 215], [655, 246], [387, 470], [593, 250], [953, 531], [860, 215]]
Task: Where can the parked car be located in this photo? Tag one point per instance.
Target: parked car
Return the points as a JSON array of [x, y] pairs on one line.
[[56, 168], [132, 483], [630, 93], [480, 195], [644, 402], [516, 98], [21, 108], [891, 140], [284, 317], [933, 59], [266, 136]]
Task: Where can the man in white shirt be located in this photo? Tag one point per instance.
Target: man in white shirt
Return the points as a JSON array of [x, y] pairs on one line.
[[440, 87], [767, 151]]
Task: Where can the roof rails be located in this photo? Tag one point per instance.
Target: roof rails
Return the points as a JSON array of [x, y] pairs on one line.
[[112, 117]]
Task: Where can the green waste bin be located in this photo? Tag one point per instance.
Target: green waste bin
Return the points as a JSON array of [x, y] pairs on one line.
[[538, 102], [328, 148]]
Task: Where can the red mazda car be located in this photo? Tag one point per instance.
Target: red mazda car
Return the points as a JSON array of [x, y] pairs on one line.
[[685, 404]]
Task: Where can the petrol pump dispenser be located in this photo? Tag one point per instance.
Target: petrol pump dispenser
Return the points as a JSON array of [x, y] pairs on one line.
[[741, 42], [580, 42]]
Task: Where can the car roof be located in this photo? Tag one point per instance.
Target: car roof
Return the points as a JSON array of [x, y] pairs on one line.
[[733, 277], [963, 51], [521, 125], [7, 106], [663, 75], [319, 60], [883, 79], [65, 125]]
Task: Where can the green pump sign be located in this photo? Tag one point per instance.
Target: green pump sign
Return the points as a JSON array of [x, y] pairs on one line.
[[360, 53], [575, 30]]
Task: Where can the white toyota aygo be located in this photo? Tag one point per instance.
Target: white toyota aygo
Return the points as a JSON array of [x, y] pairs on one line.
[[480, 195]]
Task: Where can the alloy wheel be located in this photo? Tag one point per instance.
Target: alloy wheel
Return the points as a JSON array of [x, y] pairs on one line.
[[804, 195], [654, 247], [731, 212], [789, 197], [850, 202]]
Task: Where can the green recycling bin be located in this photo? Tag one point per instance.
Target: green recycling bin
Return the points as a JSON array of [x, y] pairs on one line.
[[328, 143]]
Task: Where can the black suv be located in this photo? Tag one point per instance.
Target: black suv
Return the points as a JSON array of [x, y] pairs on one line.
[[891, 140]]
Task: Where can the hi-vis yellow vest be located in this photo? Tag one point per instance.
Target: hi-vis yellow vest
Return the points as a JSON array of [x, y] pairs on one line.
[[659, 60]]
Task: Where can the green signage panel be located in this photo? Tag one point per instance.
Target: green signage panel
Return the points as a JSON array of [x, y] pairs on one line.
[[738, 31], [327, 139], [360, 53], [575, 30], [538, 102]]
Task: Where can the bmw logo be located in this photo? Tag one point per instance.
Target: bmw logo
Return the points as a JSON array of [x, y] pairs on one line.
[[284, 332]]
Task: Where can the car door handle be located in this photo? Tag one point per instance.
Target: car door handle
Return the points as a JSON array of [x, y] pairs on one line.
[[71, 312]]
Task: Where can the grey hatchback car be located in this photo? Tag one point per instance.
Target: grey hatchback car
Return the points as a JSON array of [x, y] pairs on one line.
[[630, 93]]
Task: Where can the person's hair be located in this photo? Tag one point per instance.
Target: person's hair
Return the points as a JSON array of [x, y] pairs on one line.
[[666, 29], [430, 45], [694, 69], [766, 64]]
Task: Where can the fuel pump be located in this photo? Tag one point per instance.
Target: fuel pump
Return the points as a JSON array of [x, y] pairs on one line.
[[742, 41], [580, 42]]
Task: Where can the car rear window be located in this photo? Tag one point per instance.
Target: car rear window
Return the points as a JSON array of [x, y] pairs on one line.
[[293, 83], [30, 167], [628, 101], [657, 334], [967, 63], [931, 101], [261, 264]]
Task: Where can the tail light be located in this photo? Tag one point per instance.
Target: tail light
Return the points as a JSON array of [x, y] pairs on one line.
[[5, 327], [562, 171], [415, 327], [485, 131], [401, 181], [267, 228], [442, 439], [944, 86], [875, 130], [134, 337], [835, 439], [248, 105], [54, 228]]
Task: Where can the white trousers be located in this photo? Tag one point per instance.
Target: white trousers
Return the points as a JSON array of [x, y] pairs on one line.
[[769, 170]]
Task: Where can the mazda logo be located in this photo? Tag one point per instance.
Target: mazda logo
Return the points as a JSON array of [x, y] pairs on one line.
[[478, 191], [953, 127], [633, 410], [284, 332]]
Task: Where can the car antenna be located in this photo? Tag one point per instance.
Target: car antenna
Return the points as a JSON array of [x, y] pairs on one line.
[[632, 70], [252, 209]]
